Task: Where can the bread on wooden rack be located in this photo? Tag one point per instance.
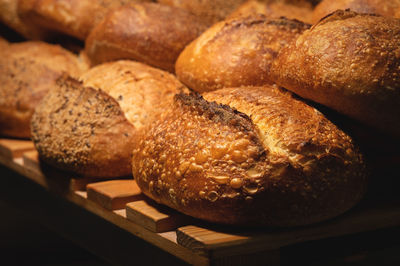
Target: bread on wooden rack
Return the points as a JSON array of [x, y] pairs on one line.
[[151, 33], [89, 127], [349, 62], [236, 52], [389, 8], [300, 10], [72, 17], [28, 71], [249, 156]]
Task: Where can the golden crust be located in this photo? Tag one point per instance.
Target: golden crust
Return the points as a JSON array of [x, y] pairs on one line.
[[28, 71], [275, 161], [300, 10], [350, 63], [235, 52], [388, 8], [90, 127], [73, 17], [151, 33], [209, 11]]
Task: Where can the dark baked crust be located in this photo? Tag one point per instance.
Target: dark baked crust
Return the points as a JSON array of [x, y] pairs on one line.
[[151, 33], [28, 71], [275, 161], [300, 10], [73, 17], [90, 127], [235, 52], [349, 62], [388, 8]]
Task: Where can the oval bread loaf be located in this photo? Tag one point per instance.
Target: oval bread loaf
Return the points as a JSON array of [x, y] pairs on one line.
[[388, 8], [235, 52], [90, 127], [151, 33], [249, 156], [28, 71], [349, 62]]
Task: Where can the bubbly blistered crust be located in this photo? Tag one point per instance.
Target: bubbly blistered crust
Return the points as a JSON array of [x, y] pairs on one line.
[[90, 127], [151, 33], [28, 71], [388, 8], [73, 17], [349, 62], [273, 162], [300, 10], [209, 11], [235, 52]]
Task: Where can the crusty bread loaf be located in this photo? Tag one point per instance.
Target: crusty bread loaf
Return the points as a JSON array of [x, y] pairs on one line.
[[235, 52], [274, 161], [389, 8], [9, 16], [73, 17], [28, 71], [151, 33], [209, 11], [348, 62], [300, 10], [89, 127]]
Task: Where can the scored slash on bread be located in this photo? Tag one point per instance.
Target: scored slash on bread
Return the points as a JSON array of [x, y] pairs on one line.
[[274, 161]]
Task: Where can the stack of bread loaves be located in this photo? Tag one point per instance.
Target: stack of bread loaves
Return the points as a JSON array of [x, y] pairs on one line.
[[242, 147]]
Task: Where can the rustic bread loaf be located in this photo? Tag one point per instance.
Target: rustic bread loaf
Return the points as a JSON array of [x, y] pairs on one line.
[[235, 52], [348, 62], [151, 33], [209, 11], [389, 8], [89, 127], [72, 17], [28, 71], [274, 161], [9, 16], [300, 10]]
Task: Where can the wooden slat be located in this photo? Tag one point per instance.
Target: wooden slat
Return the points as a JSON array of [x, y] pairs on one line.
[[31, 160], [11, 148], [155, 218], [114, 194]]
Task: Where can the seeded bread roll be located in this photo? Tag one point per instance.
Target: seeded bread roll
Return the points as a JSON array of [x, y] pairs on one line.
[[209, 11], [388, 8], [90, 127], [151, 33], [255, 156], [349, 62], [28, 71], [72, 17], [9, 16], [300, 10], [235, 52]]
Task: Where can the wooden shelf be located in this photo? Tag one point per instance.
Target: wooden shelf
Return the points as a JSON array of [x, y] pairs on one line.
[[119, 203]]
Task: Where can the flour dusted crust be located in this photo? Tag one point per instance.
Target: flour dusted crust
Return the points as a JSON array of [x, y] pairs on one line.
[[90, 126], [250, 156], [236, 52], [349, 62], [151, 33], [28, 71]]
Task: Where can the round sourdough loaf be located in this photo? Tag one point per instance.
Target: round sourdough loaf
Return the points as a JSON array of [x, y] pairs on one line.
[[237, 52], [388, 8], [300, 10], [28, 71], [151, 33], [72, 17], [90, 126], [349, 62], [249, 156]]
